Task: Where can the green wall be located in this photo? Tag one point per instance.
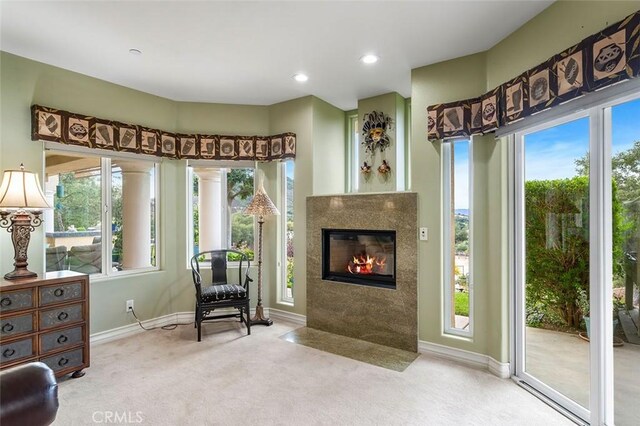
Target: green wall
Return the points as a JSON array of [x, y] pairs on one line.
[[24, 82]]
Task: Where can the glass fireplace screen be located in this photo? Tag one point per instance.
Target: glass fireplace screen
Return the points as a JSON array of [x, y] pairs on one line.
[[366, 257]]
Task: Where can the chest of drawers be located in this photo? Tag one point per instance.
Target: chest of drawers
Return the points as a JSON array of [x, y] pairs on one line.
[[46, 319]]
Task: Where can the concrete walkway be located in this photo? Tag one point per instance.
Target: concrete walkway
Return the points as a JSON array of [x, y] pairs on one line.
[[561, 360]]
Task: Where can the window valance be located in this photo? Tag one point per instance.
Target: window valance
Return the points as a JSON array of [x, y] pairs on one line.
[[600, 60], [77, 129]]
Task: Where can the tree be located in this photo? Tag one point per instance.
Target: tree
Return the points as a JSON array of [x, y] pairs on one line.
[[81, 206], [239, 192], [625, 171]]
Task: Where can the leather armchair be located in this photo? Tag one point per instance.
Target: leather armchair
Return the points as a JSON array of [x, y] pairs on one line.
[[28, 395]]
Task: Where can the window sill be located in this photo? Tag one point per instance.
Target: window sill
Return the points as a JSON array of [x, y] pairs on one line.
[[121, 274]]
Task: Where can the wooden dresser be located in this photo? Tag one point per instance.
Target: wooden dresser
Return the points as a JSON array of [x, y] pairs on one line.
[[46, 319]]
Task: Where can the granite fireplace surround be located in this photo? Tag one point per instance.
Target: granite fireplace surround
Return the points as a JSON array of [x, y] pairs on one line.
[[378, 315]]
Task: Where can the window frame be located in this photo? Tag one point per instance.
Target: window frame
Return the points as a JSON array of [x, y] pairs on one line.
[[106, 217], [353, 153], [448, 263], [282, 237]]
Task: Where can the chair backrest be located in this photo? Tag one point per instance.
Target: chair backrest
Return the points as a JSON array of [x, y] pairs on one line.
[[56, 258], [217, 261], [86, 259]]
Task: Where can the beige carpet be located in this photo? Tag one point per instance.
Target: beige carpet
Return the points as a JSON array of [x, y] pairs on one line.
[[167, 378]]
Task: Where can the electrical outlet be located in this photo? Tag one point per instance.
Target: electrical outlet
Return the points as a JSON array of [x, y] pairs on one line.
[[424, 234], [129, 307]]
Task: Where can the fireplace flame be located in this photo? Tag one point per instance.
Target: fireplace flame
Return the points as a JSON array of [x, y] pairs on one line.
[[367, 265]]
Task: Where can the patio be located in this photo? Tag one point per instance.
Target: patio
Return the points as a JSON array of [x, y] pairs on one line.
[[561, 360]]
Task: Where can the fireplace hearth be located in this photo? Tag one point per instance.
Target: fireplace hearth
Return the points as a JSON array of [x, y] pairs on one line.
[[364, 257]]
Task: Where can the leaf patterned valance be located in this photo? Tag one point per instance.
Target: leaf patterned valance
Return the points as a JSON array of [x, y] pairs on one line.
[[76, 129], [608, 57]]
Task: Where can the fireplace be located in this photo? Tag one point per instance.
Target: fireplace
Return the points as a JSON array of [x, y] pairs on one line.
[[365, 257]]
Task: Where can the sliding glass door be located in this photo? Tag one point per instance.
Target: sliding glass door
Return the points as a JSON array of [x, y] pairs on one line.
[[553, 276], [576, 242], [625, 200]]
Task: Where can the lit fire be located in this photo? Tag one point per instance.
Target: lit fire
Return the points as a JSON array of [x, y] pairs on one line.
[[367, 265]]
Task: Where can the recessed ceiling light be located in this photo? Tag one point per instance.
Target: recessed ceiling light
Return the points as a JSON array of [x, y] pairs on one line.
[[299, 77], [136, 52], [369, 59]]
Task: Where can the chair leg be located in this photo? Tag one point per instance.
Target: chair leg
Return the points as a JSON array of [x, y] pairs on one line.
[[247, 308], [199, 322], [195, 320]]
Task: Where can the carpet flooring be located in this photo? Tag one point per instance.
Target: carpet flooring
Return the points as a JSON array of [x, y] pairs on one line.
[[167, 378]]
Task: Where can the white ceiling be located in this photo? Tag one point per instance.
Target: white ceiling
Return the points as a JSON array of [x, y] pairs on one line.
[[246, 52]]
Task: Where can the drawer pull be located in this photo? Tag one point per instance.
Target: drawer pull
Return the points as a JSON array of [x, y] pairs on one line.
[[63, 361], [5, 301], [58, 292], [63, 316], [8, 353], [7, 327], [62, 338]]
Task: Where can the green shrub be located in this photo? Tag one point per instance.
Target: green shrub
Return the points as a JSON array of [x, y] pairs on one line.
[[289, 272], [557, 249]]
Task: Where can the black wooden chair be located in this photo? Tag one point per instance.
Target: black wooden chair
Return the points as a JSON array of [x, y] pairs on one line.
[[220, 293]]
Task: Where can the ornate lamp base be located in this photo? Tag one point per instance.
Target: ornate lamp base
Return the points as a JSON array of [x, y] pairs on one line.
[[259, 317], [20, 223], [18, 274]]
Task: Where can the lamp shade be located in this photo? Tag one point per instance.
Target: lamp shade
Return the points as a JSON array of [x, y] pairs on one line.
[[261, 204], [21, 190]]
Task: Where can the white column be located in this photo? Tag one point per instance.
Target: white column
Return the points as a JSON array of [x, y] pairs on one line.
[[49, 192], [136, 215], [210, 209]]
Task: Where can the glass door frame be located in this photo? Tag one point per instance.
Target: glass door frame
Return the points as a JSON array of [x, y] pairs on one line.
[[518, 150], [598, 107]]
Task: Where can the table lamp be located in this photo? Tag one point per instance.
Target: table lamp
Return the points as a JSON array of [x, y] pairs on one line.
[[21, 204]]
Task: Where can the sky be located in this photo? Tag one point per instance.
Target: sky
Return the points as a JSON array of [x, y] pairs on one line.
[[551, 153]]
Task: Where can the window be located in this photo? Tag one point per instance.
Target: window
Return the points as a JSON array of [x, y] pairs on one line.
[[218, 196], [79, 185], [354, 145], [457, 231], [286, 235]]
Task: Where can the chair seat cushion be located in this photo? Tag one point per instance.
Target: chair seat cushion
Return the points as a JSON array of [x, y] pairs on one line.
[[223, 292]]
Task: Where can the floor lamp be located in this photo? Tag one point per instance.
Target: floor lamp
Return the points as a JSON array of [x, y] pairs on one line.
[[21, 204], [261, 206]]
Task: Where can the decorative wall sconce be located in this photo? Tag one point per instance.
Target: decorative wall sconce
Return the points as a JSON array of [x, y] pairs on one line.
[[384, 169], [21, 204], [365, 169]]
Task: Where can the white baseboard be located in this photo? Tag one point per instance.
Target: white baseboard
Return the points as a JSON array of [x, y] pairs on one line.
[[288, 316], [496, 368], [134, 328], [500, 369]]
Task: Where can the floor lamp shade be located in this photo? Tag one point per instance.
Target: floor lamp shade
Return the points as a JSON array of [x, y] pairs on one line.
[[260, 206], [21, 204]]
